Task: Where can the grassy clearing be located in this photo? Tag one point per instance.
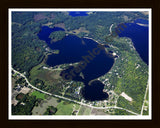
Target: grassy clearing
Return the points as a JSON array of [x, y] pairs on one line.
[[47, 76], [98, 112], [77, 106], [121, 112], [38, 95], [64, 108], [48, 80], [77, 31], [122, 102], [35, 70], [41, 108], [84, 111]]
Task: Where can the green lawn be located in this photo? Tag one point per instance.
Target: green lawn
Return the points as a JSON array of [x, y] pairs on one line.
[[64, 108], [47, 76], [42, 107], [84, 111], [46, 80], [121, 112], [38, 95]]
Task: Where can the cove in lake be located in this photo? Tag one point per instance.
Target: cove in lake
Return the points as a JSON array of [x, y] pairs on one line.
[[72, 48], [46, 31], [139, 35]]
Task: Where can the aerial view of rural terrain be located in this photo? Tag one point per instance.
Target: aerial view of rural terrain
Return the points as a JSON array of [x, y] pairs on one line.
[[79, 63]]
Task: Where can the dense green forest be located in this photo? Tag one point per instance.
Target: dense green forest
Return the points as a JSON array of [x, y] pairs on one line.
[[58, 35], [129, 74], [25, 105], [27, 49]]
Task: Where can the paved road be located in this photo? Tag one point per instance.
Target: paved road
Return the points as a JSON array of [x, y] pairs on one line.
[[81, 103], [144, 98], [110, 29]]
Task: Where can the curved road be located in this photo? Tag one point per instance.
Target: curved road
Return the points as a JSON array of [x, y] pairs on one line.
[[115, 107]]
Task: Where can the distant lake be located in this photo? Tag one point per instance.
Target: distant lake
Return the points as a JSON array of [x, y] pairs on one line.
[[77, 13], [72, 48], [138, 32]]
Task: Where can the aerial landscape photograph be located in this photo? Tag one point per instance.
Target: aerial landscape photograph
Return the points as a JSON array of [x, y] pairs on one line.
[[79, 64]]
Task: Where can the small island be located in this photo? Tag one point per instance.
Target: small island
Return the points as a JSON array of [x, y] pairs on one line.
[[56, 36]]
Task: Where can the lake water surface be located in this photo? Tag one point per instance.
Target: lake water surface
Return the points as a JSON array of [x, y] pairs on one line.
[[138, 32], [73, 49]]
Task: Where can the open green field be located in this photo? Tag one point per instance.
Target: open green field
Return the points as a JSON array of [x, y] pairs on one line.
[[41, 108], [84, 111], [44, 74], [121, 112], [65, 108], [48, 80], [38, 95], [98, 112]]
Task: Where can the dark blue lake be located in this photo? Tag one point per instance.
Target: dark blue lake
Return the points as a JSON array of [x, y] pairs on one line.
[[94, 91], [77, 13], [74, 49], [139, 35]]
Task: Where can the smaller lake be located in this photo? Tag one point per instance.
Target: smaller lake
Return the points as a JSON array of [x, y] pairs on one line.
[[94, 92], [77, 13]]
